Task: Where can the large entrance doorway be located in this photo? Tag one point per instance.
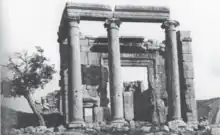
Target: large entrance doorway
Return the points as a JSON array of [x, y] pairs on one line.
[[130, 74], [139, 77]]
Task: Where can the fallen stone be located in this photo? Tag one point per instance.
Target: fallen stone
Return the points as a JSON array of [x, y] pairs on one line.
[[106, 128], [40, 129], [161, 133], [177, 125], [204, 133], [60, 128], [131, 124], [155, 129], [90, 130], [72, 133], [122, 129], [101, 124], [164, 128], [125, 129], [30, 130], [215, 131], [190, 129], [21, 129], [145, 129], [97, 128], [187, 133], [89, 125], [149, 134], [14, 131], [117, 125], [50, 129]]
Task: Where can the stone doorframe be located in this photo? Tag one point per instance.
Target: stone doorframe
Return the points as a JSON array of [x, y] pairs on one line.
[[149, 60]]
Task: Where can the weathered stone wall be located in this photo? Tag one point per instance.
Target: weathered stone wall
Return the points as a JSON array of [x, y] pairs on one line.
[[94, 78], [93, 75], [189, 109]]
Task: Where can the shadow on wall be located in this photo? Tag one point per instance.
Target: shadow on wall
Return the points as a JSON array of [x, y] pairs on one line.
[[17, 119]]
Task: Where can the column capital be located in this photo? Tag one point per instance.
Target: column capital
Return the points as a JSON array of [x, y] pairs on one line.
[[170, 24], [112, 23], [73, 20]]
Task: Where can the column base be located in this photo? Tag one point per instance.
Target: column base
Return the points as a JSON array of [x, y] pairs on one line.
[[176, 118], [76, 124], [118, 122]]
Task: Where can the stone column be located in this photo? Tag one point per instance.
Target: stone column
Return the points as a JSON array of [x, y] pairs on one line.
[[171, 42], [116, 86], [65, 96], [75, 89]]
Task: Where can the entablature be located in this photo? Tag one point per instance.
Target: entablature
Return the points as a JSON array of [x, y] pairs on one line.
[[98, 12]]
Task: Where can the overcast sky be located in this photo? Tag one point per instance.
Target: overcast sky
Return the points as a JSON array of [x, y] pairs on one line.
[[27, 23]]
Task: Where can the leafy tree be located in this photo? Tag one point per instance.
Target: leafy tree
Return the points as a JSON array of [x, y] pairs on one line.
[[29, 73]]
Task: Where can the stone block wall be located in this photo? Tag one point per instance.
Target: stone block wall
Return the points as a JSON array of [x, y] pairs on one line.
[[92, 75], [188, 103]]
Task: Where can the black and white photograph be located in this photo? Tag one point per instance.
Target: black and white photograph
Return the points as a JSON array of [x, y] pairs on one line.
[[110, 67]]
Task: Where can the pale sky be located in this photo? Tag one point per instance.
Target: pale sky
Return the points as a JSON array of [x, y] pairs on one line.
[[27, 23]]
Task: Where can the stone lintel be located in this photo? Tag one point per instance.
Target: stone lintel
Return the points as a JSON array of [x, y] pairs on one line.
[[133, 59], [123, 39], [136, 8], [86, 6], [153, 17], [90, 12], [124, 48], [129, 13], [89, 15]]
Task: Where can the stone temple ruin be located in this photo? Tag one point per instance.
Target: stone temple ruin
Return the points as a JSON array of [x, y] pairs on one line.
[[90, 64]]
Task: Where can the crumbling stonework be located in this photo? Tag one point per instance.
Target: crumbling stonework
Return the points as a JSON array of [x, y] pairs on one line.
[[189, 107]]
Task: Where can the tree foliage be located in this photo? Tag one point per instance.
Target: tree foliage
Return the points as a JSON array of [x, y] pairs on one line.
[[29, 72]]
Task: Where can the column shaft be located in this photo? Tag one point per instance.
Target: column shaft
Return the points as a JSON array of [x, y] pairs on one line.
[[75, 90], [116, 86], [171, 42]]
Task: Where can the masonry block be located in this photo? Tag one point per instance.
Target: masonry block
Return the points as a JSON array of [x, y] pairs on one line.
[[98, 114], [187, 65], [187, 57], [128, 105], [189, 82], [186, 48], [107, 113], [189, 74]]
